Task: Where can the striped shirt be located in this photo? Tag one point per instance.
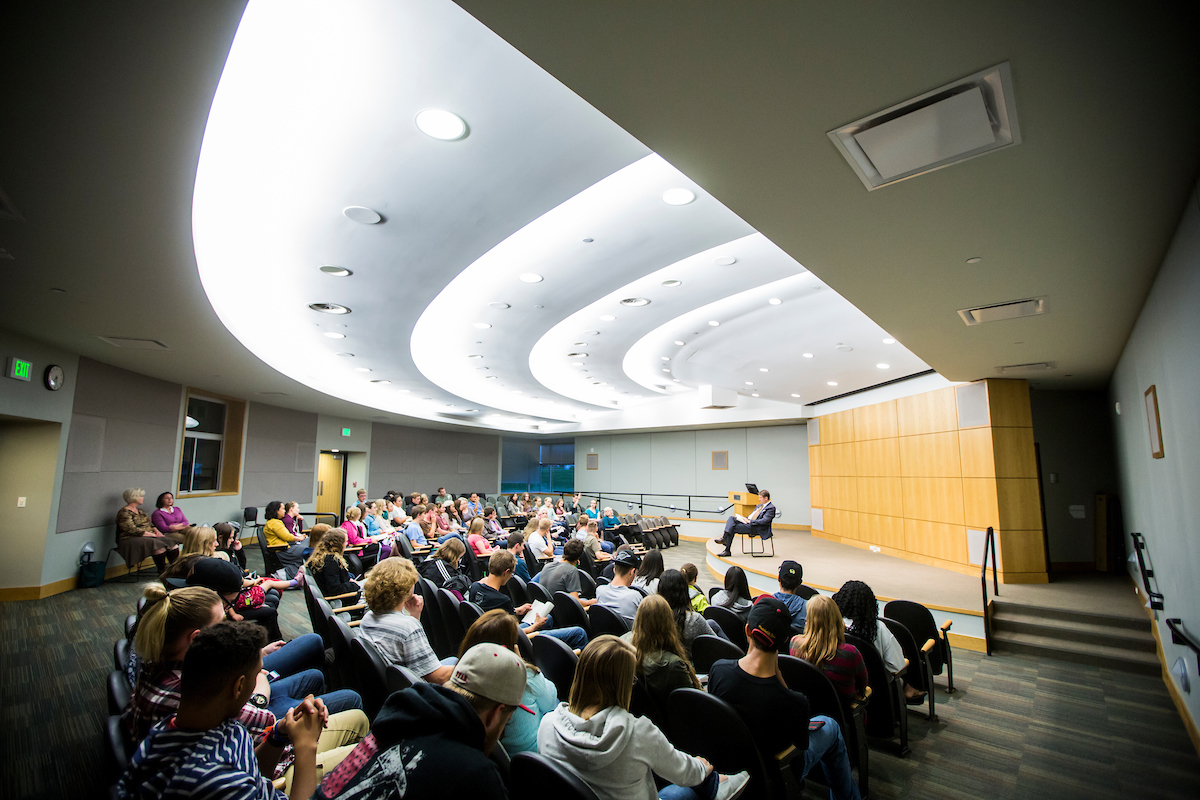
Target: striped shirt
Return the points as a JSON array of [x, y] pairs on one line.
[[401, 640], [218, 763], [156, 697], [846, 670]]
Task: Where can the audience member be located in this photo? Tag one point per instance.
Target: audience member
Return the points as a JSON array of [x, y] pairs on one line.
[[476, 540], [538, 536], [441, 496], [138, 538], [394, 621], [373, 547], [168, 517], [432, 741], [202, 541], [316, 533], [618, 595], [674, 589], [474, 508], [650, 571], [791, 575], [413, 530], [488, 594], [777, 716], [591, 538], [736, 594], [757, 524], [329, 569], [823, 644], [662, 661], [609, 522], [593, 510], [444, 570], [526, 503], [695, 596], [541, 695], [513, 507], [226, 580], [491, 525], [229, 543], [277, 535], [860, 610], [515, 544], [563, 576], [612, 751], [292, 519]]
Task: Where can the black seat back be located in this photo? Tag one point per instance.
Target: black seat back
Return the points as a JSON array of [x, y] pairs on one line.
[[568, 611], [538, 593], [921, 625], [473, 563], [468, 612], [917, 666], [887, 699], [709, 649], [341, 635], [431, 620], [532, 562], [556, 661], [517, 591], [371, 669], [807, 592], [119, 691], [116, 747], [399, 678], [705, 725], [587, 585], [451, 621], [534, 775], [604, 620], [121, 654], [730, 623]]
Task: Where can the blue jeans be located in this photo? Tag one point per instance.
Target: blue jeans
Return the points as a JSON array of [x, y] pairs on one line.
[[703, 791], [297, 663], [827, 746], [447, 536], [574, 637], [606, 547]]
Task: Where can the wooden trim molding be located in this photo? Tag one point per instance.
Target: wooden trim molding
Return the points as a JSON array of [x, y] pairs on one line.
[[1189, 724]]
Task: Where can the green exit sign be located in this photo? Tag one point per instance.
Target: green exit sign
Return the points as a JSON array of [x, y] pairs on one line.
[[345, 431], [20, 369]]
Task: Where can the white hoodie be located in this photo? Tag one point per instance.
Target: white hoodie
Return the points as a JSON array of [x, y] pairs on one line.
[[614, 752]]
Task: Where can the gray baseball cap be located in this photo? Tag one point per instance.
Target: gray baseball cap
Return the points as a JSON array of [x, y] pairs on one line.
[[491, 671]]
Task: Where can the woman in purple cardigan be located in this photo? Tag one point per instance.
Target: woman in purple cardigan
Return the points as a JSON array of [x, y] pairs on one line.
[[168, 518]]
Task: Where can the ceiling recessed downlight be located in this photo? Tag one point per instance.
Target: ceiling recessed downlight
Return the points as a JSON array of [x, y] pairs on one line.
[[774, 301], [499, 306], [713, 322], [889, 340], [666, 358], [808, 355], [666, 369], [974, 260], [678, 197], [725, 261], [362, 369], [591, 333], [530, 277], [483, 326], [883, 366], [493, 377], [441, 124], [367, 216], [763, 369], [795, 395], [672, 283], [334, 335], [576, 363], [576, 355], [381, 382], [474, 356], [329, 308], [679, 343], [754, 394], [636, 302], [831, 383], [749, 383], [337, 272]]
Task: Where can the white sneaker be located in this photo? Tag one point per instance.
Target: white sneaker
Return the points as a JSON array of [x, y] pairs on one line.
[[732, 785]]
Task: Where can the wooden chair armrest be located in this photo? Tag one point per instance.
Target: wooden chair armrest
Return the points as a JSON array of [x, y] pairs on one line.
[[946, 626], [929, 643], [341, 596], [785, 757], [354, 548], [277, 547], [354, 624], [861, 700], [347, 609], [279, 783]]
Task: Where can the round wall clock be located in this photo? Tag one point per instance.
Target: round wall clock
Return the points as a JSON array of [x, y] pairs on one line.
[[54, 377]]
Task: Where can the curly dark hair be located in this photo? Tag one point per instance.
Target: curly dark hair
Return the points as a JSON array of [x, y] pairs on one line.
[[218, 654], [857, 602]]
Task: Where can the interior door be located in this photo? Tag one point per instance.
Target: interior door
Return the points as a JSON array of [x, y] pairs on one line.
[[329, 483]]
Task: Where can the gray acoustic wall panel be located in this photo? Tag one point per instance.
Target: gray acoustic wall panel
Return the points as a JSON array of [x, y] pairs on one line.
[[280, 462], [123, 434], [418, 459], [972, 405]]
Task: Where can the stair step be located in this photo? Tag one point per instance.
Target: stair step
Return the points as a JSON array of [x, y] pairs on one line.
[[1081, 652], [1071, 630], [1083, 617]]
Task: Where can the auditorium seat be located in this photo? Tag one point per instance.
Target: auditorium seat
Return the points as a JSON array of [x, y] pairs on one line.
[[451, 621], [534, 775], [568, 612], [708, 649], [556, 661], [119, 691], [431, 620], [823, 698], [604, 620], [889, 715], [468, 612], [920, 677], [920, 623], [371, 669], [116, 747], [121, 654], [733, 625], [587, 585], [399, 677], [538, 593]]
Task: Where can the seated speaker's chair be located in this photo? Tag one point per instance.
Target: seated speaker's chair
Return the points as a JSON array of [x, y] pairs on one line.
[[534, 775]]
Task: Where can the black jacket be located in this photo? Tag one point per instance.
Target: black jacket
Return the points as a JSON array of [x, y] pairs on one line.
[[333, 579], [426, 742]]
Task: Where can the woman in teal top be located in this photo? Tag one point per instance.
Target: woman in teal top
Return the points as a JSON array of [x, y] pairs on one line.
[[592, 511], [541, 696]]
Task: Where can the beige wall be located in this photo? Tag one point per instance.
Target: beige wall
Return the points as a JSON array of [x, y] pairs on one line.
[[28, 461]]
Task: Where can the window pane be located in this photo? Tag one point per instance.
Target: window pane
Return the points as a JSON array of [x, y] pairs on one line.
[[185, 467], [209, 416], [206, 466]]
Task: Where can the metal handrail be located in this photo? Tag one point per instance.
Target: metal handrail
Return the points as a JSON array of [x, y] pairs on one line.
[[989, 546], [642, 504], [1180, 636], [1139, 545]]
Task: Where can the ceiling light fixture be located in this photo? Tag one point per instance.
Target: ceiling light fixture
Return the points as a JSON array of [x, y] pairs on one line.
[[384, 383], [576, 363], [441, 124], [666, 369], [362, 369], [337, 272], [679, 343], [671, 284], [774, 301], [499, 306], [678, 197], [530, 277], [763, 369], [576, 355], [666, 358], [808, 355], [483, 326], [883, 366], [588, 240], [334, 335], [749, 383], [795, 395], [346, 355], [889, 340], [831, 383], [607, 318], [754, 394], [725, 261], [474, 356], [974, 260], [493, 377], [713, 322], [635, 302], [367, 216], [329, 308]]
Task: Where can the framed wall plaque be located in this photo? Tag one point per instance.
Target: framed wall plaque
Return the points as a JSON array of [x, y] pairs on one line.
[[1156, 442], [593, 461]]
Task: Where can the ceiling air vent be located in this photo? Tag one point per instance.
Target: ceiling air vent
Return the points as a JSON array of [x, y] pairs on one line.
[[956, 122], [1021, 369], [134, 344], [1018, 308]]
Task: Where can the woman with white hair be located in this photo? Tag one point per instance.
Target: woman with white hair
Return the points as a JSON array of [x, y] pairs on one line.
[[137, 537]]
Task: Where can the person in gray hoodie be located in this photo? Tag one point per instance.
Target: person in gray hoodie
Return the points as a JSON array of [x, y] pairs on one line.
[[614, 752]]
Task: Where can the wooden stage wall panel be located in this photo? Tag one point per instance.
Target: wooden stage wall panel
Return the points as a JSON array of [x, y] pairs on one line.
[[903, 475]]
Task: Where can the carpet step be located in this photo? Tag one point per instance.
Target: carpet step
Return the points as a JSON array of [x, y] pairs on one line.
[[1075, 631], [1081, 617], [1079, 652]]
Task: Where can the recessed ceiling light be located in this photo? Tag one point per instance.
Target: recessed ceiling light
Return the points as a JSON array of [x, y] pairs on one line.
[[329, 308], [725, 261], [337, 272], [831, 383], [675, 379], [808, 355], [346, 355], [481, 325], [362, 369], [883, 366], [665, 369], [763, 369], [666, 358], [889, 340], [580, 344], [576, 363], [367, 216], [795, 395], [499, 306], [607, 317], [713, 322], [636, 302], [334, 335], [749, 383], [530, 277], [451, 405], [754, 394], [441, 124], [381, 383], [774, 301], [472, 410], [678, 197], [672, 283], [474, 356], [679, 343], [591, 333], [576, 355], [334, 450], [589, 240], [974, 260], [483, 368]]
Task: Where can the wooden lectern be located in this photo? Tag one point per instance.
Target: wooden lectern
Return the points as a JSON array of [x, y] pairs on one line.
[[743, 502]]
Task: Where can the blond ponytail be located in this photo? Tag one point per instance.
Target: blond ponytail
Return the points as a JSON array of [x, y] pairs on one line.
[[168, 615]]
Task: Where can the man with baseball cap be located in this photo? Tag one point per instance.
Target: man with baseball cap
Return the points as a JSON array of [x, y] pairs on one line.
[[434, 741], [225, 579], [791, 575], [777, 716], [618, 595]]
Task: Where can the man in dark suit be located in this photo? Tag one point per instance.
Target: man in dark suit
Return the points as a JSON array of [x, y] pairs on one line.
[[757, 524]]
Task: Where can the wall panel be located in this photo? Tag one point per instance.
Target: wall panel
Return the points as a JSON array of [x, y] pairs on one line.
[[930, 455], [876, 458], [876, 421], [931, 412]]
